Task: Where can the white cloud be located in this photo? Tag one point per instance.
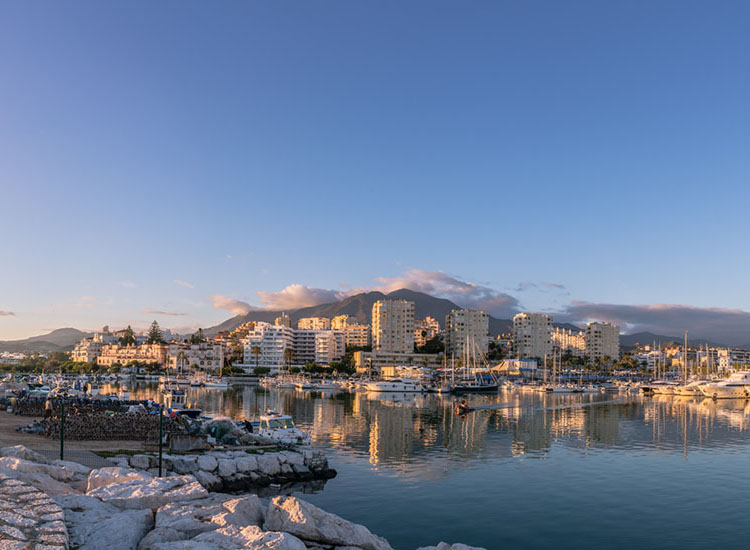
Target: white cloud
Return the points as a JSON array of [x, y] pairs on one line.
[[184, 283], [161, 312], [7, 313], [235, 307], [296, 296]]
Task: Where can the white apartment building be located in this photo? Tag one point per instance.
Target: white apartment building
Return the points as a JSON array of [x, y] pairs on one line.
[[425, 330], [340, 322], [532, 335], [306, 346], [112, 354], [314, 323], [283, 320], [204, 356], [357, 335], [393, 326], [88, 349], [731, 358], [568, 340], [602, 341], [467, 333]]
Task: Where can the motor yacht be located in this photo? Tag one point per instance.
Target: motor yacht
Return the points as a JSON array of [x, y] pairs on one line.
[[734, 387], [280, 427], [396, 385]]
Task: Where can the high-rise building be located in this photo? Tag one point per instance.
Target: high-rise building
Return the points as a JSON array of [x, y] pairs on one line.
[[314, 323], [532, 335], [357, 335], [277, 346], [602, 341], [467, 333], [425, 330], [339, 322], [568, 340], [283, 321], [393, 326]]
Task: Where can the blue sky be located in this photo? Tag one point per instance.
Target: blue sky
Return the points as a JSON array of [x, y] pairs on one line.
[[243, 147]]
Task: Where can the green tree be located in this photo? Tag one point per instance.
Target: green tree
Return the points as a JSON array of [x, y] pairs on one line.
[[154, 334], [433, 345], [288, 357], [128, 337], [256, 352], [197, 337]]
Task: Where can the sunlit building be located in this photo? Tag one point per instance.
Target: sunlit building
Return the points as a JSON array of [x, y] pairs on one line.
[[532, 335], [393, 326]]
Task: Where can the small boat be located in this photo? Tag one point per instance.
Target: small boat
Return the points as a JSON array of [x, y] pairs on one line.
[[174, 401], [280, 427], [216, 383], [396, 385]]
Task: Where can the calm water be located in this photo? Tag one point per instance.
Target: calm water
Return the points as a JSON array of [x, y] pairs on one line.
[[538, 471]]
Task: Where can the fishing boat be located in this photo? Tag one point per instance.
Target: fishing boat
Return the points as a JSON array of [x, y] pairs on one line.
[[280, 427], [174, 400]]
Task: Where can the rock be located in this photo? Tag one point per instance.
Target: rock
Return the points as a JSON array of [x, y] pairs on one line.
[[251, 537], [74, 467], [43, 482], [184, 465], [191, 518], [247, 463], [184, 545], [142, 462], [158, 536], [24, 453], [120, 462], [107, 476], [227, 467], [446, 546], [58, 473], [295, 459], [207, 463], [208, 480], [95, 525], [151, 492], [240, 512], [309, 522], [268, 464]]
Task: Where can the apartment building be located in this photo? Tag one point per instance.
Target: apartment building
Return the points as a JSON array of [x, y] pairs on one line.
[[425, 330], [568, 340], [278, 346], [467, 333], [314, 323], [732, 358], [283, 320], [112, 354], [532, 335], [602, 341], [356, 334], [393, 326], [88, 349], [205, 356]]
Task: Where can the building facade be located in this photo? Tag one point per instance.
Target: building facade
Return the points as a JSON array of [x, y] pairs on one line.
[[532, 335], [425, 330], [204, 356], [467, 333], [314, 323], [393, 326], [568, 340], [602, 341], [112, 354]]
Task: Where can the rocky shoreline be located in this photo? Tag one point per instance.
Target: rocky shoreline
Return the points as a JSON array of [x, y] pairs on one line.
[[56, 505]]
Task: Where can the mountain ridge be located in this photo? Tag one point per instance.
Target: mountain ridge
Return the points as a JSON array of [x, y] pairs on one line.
[[61, 339]]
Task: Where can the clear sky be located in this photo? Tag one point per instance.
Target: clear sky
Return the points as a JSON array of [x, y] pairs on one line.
[[583, 157]]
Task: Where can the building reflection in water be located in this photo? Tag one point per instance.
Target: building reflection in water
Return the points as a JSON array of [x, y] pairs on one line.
[[420, 436]]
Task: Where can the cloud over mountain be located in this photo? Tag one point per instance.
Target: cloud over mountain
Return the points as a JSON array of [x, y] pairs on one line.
[[160, 312], [296, 296], [721, 325], [233, 306]]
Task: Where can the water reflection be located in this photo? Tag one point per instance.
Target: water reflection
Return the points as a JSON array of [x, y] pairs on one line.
[[394, 431]]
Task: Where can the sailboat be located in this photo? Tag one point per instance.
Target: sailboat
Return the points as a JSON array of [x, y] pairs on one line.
[[219, 383], [474, 383]]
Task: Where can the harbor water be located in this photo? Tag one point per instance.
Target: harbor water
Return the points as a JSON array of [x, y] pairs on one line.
[[526, 470]]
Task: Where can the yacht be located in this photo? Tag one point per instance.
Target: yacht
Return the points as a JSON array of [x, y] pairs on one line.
[[691, 389], [396, 385], [281, 428], [734, 387], [216, 383]]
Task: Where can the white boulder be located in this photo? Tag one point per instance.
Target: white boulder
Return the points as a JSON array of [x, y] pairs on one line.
[[107, 476], [227, 467], [446, 546], [268, 464], [247, 463], [251, 537], [141, 462], [150, 493], [24, 453], [240, 512], [78, 469], [95, 525], [160, 535], [207, 463], [190, 518], [43, 482], [210, 481], [58, 473], [184, 465], [310, 523]]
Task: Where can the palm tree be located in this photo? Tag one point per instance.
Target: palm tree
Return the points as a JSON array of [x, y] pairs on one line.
[[288, 356], [180, 361], [256, 352]]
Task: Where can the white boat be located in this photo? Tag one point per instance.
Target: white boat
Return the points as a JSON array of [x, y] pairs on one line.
[[304, 385], [281, 428], [216, 383], [691, 389], [327, 385], [734, 387], [396, 385]]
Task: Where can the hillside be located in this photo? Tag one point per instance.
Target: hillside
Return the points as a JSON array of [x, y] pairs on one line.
[[62, 339], [360, 307]]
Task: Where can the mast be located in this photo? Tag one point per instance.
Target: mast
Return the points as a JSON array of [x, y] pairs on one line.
[[685, 353]]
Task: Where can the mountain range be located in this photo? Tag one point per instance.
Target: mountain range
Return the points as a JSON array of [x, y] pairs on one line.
[[62, 339]]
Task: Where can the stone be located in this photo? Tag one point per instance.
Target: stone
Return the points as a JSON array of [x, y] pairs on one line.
[[150, 492], [247, 463], [295, 459], [191, 518], [74, 467], [96, 525], [240, 512], [268, 464], [207, 463], [24, 453], [158, 536], [184, 545], [141, 462], [227, 467], [12, 532], [251, 537], [43, 482], [208, 480], [308, 522], [12, 545], [107, 476], [446, 546], [57, 473], [184, 465]]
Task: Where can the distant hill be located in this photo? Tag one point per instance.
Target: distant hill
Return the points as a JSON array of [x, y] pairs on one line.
[[359, 307], [629, 341], [62, 339]]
